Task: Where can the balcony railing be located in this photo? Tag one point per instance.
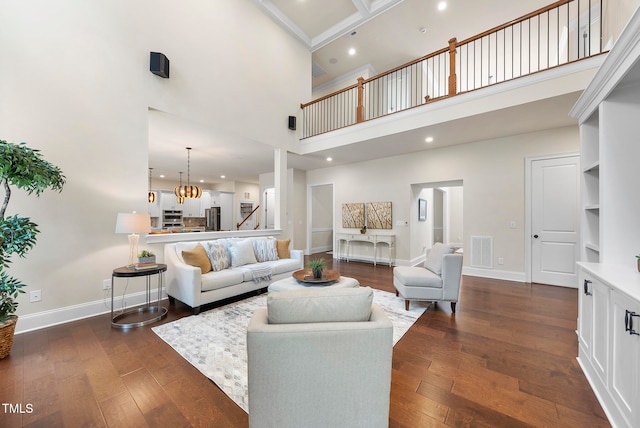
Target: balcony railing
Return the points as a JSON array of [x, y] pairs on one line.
[[558, 34]]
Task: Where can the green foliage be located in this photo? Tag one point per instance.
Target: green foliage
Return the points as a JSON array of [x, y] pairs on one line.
[[18, 237], [146, 253], [24, 168], [316, 264]]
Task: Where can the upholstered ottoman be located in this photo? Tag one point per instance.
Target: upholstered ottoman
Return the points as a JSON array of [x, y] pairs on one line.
[[291, 283]]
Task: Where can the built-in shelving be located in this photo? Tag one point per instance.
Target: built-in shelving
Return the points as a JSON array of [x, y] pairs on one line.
[[609, 301], [590, 185]]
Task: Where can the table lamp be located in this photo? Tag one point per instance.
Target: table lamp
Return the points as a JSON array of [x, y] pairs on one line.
[[133, 224]]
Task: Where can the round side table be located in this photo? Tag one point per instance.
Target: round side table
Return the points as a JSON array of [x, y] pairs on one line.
[[157, 311]]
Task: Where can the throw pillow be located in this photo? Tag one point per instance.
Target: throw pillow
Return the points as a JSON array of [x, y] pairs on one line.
[[283, 248], [218, 256], [197, 257], [242, 253], [265, 249], [315, 305], [433, 262]]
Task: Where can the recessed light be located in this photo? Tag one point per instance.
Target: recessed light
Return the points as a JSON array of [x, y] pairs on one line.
[[442, 5], [201, 181], [222, 176], [329, 159], [352, 51], [429, 139]]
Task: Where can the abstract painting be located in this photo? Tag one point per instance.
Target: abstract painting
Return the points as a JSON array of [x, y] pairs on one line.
[[353, 216], [379, 215]]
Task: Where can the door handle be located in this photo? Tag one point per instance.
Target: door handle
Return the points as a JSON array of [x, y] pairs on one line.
[[535, 236], [588, 293]]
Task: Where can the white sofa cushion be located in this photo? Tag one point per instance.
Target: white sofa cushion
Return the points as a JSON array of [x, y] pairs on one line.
[[316, 305], [433, 262], [224, 278], [242, 253], [265, 249], [218, 255], [411, 276]]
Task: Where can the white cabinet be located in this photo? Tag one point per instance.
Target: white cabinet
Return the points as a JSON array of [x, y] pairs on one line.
[[609, 338], [168, 201], [625, 347], [593, 325], [192, 208]]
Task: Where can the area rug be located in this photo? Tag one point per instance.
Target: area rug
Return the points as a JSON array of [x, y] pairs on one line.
[[215, 341]]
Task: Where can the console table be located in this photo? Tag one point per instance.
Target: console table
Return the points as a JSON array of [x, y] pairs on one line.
[[344, 239], [158, 311]]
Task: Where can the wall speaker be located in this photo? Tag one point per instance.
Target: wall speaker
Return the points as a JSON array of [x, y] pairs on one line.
[[292, 123], [159, 65]]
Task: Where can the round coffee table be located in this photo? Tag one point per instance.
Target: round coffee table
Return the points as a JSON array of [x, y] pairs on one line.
[[292, 283]]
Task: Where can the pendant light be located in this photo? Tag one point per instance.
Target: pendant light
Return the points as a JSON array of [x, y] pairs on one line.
[[152, 195], [179, 191], [188, 191]]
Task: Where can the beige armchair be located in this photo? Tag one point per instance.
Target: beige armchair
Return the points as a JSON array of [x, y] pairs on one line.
[[438, 280], [319, 358]]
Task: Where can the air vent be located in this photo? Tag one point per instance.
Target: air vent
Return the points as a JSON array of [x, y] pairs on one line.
[[482, 252], [317, 71]]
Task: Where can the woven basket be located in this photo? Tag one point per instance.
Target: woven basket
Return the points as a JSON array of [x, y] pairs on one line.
[[6, 335]]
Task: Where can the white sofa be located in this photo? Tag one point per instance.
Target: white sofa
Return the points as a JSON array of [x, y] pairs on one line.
[[189, 285]]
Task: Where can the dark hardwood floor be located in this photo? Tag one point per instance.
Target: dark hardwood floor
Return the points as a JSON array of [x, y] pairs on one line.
[[505, 359]]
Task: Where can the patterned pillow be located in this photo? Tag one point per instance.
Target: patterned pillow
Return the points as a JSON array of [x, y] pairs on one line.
[[218, 255], [242, 253], [265, 249]]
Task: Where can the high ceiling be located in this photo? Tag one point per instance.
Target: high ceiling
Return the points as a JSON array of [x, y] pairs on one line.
[[384, 34]]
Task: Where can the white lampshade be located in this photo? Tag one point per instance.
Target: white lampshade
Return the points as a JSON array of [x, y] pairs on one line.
[[133, 223]]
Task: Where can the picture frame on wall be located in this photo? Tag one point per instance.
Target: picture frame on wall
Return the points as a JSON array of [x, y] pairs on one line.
[[422, 210]]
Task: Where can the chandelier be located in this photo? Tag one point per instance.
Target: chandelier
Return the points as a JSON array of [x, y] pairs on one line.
[[188, 191], [152, 196], [180, 198]]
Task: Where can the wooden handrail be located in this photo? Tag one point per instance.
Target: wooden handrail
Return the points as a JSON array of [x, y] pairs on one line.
[[515, 21], [333, 94], [246, 218], [408, 64]]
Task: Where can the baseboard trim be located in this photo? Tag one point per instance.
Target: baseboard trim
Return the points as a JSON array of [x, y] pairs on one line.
[[495, 274], [39, 320]]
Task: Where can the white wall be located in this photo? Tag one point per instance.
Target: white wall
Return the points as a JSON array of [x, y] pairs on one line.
[[493, 174], [75, 83], [321, 218], [455, 208]]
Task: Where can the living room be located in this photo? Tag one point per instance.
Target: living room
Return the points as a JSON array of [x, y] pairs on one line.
[[78, 88]]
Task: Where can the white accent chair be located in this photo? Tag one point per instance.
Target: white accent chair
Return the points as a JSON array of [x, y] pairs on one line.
[[319, 358], [439, 279]]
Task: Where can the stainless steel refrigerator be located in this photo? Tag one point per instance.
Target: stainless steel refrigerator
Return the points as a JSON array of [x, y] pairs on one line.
[[212, 215]]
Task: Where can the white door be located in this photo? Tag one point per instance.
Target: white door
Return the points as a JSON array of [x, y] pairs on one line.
[[555, 189]]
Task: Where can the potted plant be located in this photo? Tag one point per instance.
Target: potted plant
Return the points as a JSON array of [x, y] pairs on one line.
[[316, 266], [25, 169], [363, 230], [146, 256]]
